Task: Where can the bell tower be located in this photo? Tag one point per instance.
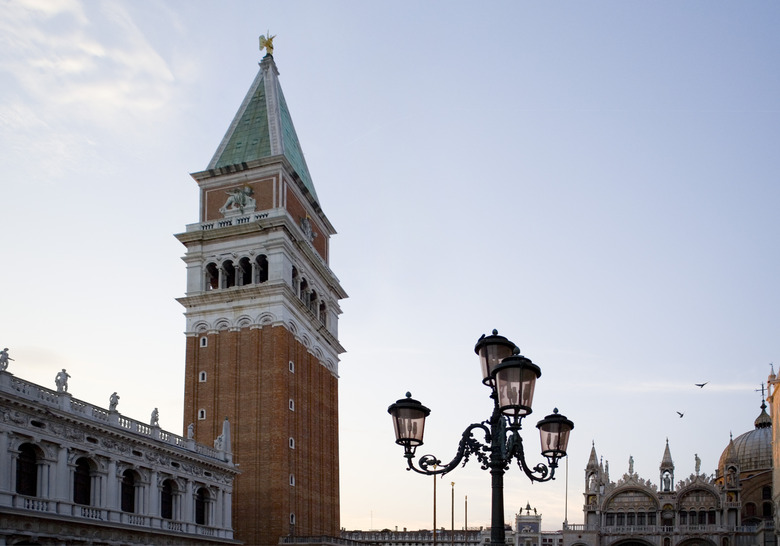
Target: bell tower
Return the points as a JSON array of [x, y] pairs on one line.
[[262, 309]]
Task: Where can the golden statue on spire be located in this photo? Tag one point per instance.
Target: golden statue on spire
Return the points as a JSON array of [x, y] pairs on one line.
[[267, 44]]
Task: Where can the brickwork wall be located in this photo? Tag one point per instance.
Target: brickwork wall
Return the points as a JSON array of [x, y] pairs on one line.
[[249, 381], [297, 211]]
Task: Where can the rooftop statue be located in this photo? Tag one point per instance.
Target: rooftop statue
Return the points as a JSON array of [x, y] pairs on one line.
[[4, 358], [61, 380], [267, 44], [113, 401]]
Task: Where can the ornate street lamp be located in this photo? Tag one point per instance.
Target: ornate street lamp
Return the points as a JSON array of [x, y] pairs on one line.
[[512, 379]]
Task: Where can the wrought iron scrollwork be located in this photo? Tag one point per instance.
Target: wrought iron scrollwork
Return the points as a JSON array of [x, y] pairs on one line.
[[500, 446]]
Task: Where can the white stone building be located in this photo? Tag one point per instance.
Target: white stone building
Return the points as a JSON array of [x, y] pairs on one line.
[[732, 507], [75, 473]]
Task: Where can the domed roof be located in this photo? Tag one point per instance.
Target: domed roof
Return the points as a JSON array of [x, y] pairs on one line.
[[751, 450]]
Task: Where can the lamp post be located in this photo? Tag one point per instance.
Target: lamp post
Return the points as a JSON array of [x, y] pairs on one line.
[[512, 379]]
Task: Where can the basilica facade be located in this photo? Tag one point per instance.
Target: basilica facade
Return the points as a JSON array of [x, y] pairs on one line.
[[732, 507]]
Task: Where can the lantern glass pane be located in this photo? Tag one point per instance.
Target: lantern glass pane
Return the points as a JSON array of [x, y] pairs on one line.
[[409, 424], [515, 387], [490, 356], [555, 438]]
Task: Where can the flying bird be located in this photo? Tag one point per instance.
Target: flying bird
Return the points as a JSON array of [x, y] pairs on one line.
[[680, 414], [701, 385]]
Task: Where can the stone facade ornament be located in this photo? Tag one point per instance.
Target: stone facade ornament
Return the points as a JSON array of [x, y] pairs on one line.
[[239, 200], [155, 420], [308, 231]]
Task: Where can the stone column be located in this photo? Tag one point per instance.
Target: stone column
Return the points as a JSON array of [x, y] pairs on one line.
[[112, 496], [42, 475], [153, 496], [255, 272], [188, 512], [5, 463], [62, 474], [217, 521], [228, 510]]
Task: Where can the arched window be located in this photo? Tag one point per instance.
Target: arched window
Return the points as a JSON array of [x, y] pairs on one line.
[[27, 471], [323, 313], [229, 270], [750, 510], [212, 276], [166, 500], [82, 487], [244, 272], [262, 269], [766, 510], [201, 414], [766, 492], [201, 500], [128, 491]]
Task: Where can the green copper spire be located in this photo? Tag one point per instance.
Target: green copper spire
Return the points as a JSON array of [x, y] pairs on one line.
[[263, 128]]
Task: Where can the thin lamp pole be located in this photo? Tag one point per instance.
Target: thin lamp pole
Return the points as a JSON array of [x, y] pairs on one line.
[[566, 496], [452, 536], [466, 515], [434, 507]]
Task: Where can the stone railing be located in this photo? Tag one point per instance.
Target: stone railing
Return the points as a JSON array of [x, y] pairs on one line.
[[389, 537], [654, 529], [319, 540], [85, 411], [227, 222], [105, 516]]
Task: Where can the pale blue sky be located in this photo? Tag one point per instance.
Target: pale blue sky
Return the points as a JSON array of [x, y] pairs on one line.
[[597, 180]]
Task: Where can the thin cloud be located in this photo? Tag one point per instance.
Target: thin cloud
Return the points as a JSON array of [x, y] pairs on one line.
[[102, 63]]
